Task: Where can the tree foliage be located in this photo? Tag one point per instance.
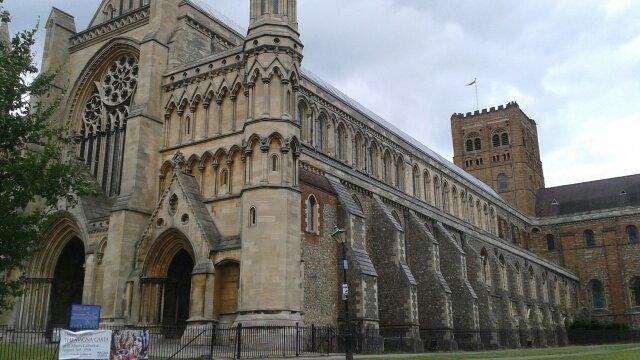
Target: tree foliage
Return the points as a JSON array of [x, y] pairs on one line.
[[34, 178]]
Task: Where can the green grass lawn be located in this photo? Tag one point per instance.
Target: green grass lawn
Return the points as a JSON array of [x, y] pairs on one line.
[[604, 352]]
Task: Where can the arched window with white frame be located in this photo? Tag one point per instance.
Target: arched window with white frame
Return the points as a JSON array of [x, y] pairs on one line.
[[312, 215]]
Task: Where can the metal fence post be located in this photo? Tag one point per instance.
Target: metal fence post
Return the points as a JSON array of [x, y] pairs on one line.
[[239, 341], [313, 338], [297, 339], [211, 341]]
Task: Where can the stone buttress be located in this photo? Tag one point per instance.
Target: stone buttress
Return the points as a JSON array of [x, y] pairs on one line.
[[465, 304], [397, 288], [362, 276], [434, 294]]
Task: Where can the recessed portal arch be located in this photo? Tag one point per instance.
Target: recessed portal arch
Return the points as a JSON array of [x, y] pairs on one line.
[[68, 282], [166, 281]]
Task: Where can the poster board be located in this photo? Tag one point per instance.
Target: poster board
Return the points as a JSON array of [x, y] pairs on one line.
[[85, 345], [84, 317], [130, 345]]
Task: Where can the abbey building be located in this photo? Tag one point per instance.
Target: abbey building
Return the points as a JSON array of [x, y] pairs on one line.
[[224, 166]]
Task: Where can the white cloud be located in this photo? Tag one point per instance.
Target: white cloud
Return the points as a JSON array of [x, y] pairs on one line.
[[571, 64], [615, 7]]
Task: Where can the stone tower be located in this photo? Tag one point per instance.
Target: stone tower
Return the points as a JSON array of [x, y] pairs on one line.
[[271, 251], [4, 32], [500, 147]]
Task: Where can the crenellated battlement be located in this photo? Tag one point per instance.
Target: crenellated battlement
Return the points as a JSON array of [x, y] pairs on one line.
[[485, 111]]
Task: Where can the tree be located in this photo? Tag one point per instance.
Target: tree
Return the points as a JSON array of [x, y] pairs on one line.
[[34, 177]]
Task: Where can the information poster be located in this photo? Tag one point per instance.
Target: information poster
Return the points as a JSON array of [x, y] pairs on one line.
[[84, 317], [85, 345], [130, 345]]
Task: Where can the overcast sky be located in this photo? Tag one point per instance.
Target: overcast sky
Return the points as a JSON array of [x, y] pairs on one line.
[[572, 65]]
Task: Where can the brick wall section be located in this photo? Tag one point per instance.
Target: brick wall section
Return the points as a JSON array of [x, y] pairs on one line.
[[614, 261], [320, 254]]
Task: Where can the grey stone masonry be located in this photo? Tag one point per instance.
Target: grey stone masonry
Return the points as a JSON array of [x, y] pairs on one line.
[[434, 294], [486, 309], [398, 298], [465, 303]]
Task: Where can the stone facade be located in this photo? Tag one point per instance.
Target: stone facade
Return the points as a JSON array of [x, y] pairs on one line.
[[225, 166]]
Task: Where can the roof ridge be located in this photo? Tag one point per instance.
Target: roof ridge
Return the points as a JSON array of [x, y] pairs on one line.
[[591, 182]]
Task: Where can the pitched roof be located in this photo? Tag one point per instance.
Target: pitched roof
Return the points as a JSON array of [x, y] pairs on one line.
[[589, 196], [206, 8]]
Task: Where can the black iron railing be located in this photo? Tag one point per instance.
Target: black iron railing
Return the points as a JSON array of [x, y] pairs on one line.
[[243, 342]]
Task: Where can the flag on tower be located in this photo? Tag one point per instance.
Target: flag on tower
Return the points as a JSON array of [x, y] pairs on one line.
[[472, 83]]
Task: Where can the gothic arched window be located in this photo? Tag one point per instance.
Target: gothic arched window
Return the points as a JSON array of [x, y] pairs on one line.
[[275, 7], [477, 144], [597, 294], [589, 238], [400, 173], [386, 167], [312, 210], [104, 121], [253, 217], [342, 143], [322, 134], [486, 267], [416, 181], [632, 234], [635, 292], [274, 162]]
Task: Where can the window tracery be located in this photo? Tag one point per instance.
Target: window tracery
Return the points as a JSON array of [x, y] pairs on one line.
[[104, 118]]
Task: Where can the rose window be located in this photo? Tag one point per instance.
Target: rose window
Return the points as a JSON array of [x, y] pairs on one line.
[[120, 81]]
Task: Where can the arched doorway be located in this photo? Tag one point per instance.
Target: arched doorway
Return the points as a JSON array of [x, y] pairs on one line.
[[177, 291], [227, 283], [68, 282]]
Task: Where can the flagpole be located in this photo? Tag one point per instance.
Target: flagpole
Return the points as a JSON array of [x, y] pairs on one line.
[[477, 102], [475, 83]]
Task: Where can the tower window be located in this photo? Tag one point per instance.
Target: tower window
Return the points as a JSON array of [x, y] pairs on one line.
[[496, 140], [469, 145], [632, 234], [551, 242], [589, 238], [274, 162], [505, 139], [477, 144], [503, 183], [276, 6], [253, 217]]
